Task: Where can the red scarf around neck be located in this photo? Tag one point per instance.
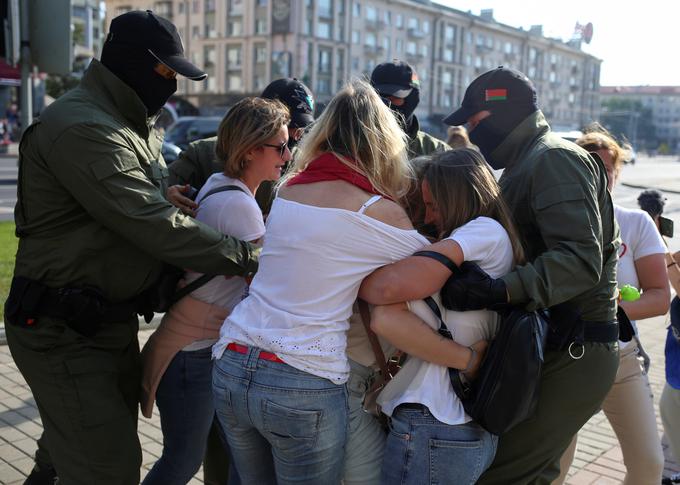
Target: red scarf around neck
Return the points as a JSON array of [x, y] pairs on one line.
[[328, 167]]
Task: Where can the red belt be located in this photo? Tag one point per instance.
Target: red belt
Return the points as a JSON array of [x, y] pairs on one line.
[[243, 349]]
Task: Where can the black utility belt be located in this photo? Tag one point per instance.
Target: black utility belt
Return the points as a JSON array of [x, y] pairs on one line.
[[84, 309], [601, 332]]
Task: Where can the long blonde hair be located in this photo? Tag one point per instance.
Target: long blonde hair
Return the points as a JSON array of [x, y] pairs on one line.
[[463, 187], [249, 124], [364, 134]]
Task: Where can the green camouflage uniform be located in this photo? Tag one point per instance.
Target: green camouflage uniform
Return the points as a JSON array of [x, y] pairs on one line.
[[91, 213], [420, 143], [559, 198]]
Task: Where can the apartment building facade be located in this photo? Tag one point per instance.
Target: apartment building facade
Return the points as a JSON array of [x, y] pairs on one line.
[[663, 103], [244, 44]]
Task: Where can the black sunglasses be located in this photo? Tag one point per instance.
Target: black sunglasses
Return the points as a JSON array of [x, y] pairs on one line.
[[282, 147]]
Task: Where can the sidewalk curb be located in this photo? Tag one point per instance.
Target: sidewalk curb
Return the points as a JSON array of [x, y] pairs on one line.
[[142, 326]]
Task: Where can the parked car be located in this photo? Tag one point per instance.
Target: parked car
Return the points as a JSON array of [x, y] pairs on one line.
[[170, 152], [190, 128]]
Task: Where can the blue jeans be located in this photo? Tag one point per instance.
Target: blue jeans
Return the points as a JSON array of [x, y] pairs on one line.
[[283, 425], [422, 450], [184, 399]]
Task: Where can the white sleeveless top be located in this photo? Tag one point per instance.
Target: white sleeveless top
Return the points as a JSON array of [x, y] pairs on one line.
[[312, 264]]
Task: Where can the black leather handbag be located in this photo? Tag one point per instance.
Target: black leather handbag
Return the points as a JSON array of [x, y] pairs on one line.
[[506, 389]]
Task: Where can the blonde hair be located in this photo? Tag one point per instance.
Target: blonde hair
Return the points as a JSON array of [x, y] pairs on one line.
[[463, 187], [359, 129], [249, 124], [603, 140]]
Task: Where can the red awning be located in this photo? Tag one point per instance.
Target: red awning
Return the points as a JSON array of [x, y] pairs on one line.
[[9, 76]]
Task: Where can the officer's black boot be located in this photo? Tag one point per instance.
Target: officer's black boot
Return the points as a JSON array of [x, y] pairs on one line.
[[45, 475]]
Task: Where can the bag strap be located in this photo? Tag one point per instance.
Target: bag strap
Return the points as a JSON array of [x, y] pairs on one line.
[[443, 329], [203, 279], [445, 260], [223, 188], [373, 338], [460, 387]]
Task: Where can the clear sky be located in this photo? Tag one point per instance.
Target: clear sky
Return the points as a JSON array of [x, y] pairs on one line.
[[637, 41]]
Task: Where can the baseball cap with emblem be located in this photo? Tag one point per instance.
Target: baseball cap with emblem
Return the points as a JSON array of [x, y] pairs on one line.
[[157, 35], [296, 96], [499, 88], [395, 78]]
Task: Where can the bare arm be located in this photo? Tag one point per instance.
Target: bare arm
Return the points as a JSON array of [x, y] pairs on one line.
[[409, 333], [655, 295], [412, 278], [674, 270]]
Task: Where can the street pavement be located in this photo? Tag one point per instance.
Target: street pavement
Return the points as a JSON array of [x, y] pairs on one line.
[[598, 456]]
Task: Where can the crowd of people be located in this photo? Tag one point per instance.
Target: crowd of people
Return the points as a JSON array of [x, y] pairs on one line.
[[286, 227]]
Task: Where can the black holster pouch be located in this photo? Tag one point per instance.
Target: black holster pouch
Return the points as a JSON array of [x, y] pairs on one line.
[[626, 329], [83, 309], [565, 326]]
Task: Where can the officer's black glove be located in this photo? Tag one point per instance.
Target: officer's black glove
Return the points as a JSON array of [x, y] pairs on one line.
[[472, 289]]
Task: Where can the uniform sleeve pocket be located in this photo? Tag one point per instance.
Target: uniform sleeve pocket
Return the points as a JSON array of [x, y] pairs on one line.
[[558, 194], [120, 162]]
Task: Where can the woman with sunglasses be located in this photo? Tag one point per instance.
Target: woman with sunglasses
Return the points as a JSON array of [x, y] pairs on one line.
[[252, 146]]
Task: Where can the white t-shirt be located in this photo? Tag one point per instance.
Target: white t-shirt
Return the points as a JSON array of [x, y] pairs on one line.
[[485, 242], [312, 264], [234, 213], [639, 238]]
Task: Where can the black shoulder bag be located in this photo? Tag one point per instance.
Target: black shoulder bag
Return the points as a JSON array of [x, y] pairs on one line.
[[165, 293], [506, 389]]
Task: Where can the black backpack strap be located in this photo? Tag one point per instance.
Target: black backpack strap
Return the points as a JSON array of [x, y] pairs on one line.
[[203, 279], [443, 329], [445, 260], [224, 188]]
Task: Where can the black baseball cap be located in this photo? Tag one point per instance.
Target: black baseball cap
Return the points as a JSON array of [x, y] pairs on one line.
[[296, 96], [157, 35], [500, 88], [395, 78]]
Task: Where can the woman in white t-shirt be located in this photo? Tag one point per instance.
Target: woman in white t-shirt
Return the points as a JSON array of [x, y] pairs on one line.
[[629, 406], [431, 438], [252, 146], [281, 365]]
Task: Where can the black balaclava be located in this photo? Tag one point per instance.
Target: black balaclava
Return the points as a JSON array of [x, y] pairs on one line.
[[492, 130], [135, 67], [405, 111]]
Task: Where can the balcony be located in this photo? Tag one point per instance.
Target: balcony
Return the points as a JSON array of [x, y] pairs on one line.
[[416, 34], [374, 24], [373, 50], [414, 58]]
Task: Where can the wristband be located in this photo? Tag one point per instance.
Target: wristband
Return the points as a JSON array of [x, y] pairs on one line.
[[471, 361]]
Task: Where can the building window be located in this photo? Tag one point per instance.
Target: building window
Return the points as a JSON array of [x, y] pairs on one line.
[[355, 63], [235, 28], [423, 50], [325, 63], [411, 48], [324, 8], [233, 57], [323, 29], [180, 8], [400, 21], [413, 23], [371, 13], [387, 45], [164, 9], [399, 46], [370, 39], [356, 9], [426, 27], [195, 32], [260, 53], [388, 17], [260, 26], [356, 37], [209, 6], [195, 6]]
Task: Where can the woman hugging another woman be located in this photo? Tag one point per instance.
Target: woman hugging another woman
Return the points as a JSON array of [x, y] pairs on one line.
[[431, 439]]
